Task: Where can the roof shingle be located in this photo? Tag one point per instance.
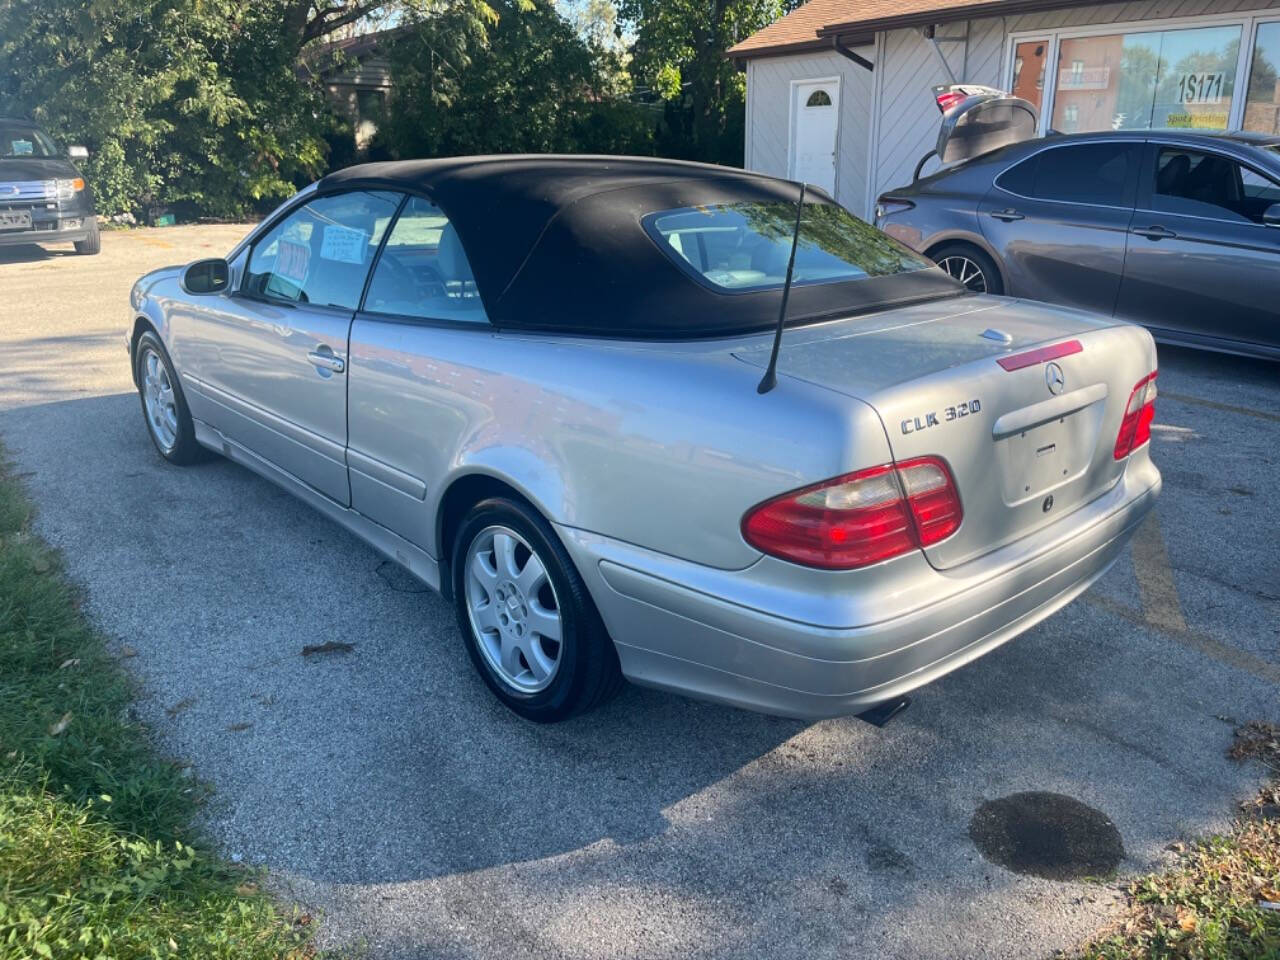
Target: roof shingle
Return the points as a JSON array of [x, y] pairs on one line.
[[817, 24], [798, 27]]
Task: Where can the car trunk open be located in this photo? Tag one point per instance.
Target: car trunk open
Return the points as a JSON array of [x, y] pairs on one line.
[[1022, 455]]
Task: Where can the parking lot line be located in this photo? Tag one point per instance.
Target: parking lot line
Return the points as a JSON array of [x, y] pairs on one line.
[[1209, 646], [1224, 407], [1160, 605]]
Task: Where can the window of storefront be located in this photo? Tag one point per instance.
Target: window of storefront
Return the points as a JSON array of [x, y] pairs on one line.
[[1030, 57], [1262, 108], [1186, 75]]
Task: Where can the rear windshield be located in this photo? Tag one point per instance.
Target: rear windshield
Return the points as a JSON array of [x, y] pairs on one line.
[[23, 140], [745, 246]]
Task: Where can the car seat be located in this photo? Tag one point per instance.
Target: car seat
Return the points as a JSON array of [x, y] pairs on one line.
[[1213, 181], [1171, 180]]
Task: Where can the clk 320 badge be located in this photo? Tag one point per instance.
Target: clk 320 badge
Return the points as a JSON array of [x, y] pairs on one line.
[[926, 420]]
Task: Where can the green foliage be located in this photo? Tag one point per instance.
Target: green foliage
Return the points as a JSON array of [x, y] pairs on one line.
[[1218, 900], [529, 83], [96, 857], [679, 54], [209, 107], [190, 103]]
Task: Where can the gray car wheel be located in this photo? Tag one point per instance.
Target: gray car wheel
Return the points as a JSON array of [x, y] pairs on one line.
[[513, 608], [971, 266], [164, 408], [530, 626]]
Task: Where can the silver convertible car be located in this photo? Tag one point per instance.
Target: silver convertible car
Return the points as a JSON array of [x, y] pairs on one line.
[[546, 386]]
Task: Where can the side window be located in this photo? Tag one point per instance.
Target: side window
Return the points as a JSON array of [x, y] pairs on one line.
[[1022, 178], [423, 271], [320, 253], [1260, 188], [1202, 184], [1095, 173], [1085, 173]]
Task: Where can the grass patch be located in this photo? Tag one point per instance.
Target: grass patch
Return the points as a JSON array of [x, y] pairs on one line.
[[1214, 902], [97, 852]]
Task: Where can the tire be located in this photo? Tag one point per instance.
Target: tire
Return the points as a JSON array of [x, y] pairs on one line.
[[503, 609], [958, 259], [93, 243], [168, 422]]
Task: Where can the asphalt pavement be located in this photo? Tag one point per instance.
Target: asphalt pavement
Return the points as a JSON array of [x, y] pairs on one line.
[[385, 789]]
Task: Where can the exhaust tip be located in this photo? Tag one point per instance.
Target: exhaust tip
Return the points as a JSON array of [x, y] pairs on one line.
[[882, 713]]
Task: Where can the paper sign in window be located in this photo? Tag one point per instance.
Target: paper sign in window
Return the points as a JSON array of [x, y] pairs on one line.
[[292, 262], [343, 244]]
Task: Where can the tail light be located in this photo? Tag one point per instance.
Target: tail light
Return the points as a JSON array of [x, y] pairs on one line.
[[949, 99], [1135, 428], [888, 206], [860, 518]]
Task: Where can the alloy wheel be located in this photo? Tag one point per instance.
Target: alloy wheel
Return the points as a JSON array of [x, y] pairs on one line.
[[966, 271], [159, 400], [513, 609]]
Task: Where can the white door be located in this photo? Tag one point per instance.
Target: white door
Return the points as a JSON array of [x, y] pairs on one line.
[[815, 113]]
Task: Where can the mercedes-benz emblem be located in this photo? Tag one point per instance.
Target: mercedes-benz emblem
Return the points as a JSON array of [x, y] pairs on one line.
[[1054, 379]]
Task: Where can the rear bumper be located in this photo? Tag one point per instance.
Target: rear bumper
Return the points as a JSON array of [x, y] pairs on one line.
[[735, 637]]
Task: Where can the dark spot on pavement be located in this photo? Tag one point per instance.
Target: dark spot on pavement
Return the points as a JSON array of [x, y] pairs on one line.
[[838, 885], [883, 857], [1240, 491], [1047, 835]]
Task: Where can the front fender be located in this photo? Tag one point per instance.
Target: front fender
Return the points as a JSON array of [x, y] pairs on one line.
[[145, 311]]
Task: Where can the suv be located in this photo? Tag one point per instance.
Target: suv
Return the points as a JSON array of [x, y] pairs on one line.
[[43, 197]]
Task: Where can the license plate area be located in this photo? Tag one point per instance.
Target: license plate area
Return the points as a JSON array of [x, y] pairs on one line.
[[15, 219], [1040, 458]]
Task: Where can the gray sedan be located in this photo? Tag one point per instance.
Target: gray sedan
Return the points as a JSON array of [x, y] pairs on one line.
[[1178, 231], [545, 386]]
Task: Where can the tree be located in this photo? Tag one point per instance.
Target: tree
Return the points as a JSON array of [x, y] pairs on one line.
[[189, 103], [307, 20], [679, 54], [195, 104], [529, 83]]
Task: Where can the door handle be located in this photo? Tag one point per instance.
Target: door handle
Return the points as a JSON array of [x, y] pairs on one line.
[[1153, 233], [327, 361], [1007, 215]]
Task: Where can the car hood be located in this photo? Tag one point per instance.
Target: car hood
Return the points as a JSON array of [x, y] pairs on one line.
[[36, 168]]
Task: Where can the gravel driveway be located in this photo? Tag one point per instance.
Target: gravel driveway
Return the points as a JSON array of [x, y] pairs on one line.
[[387, 789]]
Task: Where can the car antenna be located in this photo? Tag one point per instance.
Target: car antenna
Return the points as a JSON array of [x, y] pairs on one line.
[[770, 378]]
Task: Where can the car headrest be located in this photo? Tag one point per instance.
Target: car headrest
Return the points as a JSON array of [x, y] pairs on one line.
[[452, 260], [1173, 174], [1211, 181]]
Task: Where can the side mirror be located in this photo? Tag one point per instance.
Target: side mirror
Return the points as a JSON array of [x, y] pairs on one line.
[[1271, 216], [77, 153], [207, 276]]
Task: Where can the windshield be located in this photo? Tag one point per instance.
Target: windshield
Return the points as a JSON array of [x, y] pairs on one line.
[[18, 140], [745, 246]]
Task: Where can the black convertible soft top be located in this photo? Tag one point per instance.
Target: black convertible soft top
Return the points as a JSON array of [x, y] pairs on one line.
[[556, 243]]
